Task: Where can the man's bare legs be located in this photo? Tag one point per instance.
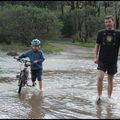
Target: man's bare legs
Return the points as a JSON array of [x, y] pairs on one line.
[[100, 82], [110, 85]]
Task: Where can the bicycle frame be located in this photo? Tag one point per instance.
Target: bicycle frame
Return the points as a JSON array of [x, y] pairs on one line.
[[24, 73]]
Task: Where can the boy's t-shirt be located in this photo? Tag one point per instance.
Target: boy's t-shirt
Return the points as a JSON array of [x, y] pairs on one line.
[[38, 55]]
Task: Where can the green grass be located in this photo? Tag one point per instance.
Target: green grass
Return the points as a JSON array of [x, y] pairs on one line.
[[85, 44], [49, 48], [14, 47], [17, 48]]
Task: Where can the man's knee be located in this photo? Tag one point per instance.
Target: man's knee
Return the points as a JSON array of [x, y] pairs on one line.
[[100, 78], [100, 75], [110, 78]]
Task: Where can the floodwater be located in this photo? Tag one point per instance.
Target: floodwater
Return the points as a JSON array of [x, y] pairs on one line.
[[69, 89]]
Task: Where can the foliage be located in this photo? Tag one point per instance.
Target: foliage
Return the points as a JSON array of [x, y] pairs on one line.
[[21, 21], [24, 23]]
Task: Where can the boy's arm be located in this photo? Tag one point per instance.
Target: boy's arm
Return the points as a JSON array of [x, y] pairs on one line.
[[42, 58], [24, 55]]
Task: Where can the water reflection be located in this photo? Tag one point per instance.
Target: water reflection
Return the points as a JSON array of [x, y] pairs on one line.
[[103, 112], [34, 101]]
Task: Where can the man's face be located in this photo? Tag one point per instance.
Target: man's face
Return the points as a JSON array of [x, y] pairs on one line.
[[35, 47], [109, 23]]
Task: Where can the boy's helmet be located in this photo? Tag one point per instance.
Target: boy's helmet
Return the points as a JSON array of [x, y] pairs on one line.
[[35, 42]]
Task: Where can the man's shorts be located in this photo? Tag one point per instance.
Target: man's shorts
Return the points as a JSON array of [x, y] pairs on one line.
[[36, 74], [110, 68]]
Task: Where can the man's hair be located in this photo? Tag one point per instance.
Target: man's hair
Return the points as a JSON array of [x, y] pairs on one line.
[[109, 17]]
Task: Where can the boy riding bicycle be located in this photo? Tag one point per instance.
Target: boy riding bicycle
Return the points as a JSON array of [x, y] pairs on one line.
[[36, 57]]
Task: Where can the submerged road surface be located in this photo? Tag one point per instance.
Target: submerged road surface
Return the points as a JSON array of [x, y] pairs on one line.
[[70, 90]]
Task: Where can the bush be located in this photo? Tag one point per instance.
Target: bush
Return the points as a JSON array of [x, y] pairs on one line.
[[24, 23], [82, 23]]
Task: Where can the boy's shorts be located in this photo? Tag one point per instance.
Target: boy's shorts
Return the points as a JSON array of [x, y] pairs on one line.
[[36, 74], [110, 68]]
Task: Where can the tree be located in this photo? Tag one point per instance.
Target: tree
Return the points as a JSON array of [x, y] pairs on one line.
[[21, 24], [117, 13]]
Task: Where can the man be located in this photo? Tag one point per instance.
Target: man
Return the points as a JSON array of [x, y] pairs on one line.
[[106, 55]]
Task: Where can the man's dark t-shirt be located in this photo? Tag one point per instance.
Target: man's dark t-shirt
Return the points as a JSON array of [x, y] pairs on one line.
[[109, 41]]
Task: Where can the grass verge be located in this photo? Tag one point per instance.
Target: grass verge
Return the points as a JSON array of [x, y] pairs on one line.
[[15, 48], [85, 44]]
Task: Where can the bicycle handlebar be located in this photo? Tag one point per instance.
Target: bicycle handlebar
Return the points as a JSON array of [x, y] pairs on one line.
[[21, 60]]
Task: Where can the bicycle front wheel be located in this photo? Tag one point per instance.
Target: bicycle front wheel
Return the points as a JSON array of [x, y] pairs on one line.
[[20, 86], [21, 81]]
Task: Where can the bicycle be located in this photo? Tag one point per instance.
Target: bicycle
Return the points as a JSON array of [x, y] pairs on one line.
[[23, 75]]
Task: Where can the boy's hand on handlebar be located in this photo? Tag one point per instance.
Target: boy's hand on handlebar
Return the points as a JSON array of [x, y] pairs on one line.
[[17, 58]]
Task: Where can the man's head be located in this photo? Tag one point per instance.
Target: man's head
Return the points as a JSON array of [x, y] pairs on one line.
[[109, 22], [35, 44]]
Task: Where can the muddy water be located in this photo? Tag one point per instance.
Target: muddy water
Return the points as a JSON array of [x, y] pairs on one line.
[[69, 89]]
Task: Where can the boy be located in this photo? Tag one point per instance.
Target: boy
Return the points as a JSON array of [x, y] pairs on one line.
[[36, 58]]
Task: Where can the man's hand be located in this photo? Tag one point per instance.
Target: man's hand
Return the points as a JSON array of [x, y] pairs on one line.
[[96, 51], [96, 60]]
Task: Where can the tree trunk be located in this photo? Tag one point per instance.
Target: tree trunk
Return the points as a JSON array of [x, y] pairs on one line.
[[86, 32], [116, 8], [105, 7], [62, 9], [72, 5], [77, 4], [98, 10], [117, 22]]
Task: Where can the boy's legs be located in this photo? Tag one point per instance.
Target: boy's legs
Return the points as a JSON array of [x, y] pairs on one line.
[[33, 74], [40, 84], [39, 76]]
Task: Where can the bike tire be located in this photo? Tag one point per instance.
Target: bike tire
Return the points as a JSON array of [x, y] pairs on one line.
[[21, 81], [20, 87]]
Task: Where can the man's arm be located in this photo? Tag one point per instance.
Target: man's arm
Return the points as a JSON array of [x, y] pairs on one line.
[[97, 46], [96, 51]]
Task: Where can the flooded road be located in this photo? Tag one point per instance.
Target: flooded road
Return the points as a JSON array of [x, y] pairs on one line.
[[69, 89]]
